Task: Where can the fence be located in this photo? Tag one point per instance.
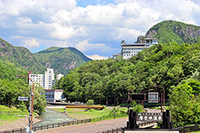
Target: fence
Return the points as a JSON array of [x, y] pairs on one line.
[[67, 123], [191, 128], [41, 127], [117, 130]]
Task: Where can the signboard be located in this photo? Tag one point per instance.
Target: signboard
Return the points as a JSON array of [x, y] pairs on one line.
[[153, 97], [23, 98], [138, 96], [149, 117]]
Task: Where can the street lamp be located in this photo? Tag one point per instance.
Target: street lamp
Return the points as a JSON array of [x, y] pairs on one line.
[[30, 105]]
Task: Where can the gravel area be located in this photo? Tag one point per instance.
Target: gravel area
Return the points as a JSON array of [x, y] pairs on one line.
[[20, 123]]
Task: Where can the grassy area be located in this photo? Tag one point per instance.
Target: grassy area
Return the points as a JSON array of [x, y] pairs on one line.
[[194, 132], [7, 119], [80, 113], [16, 114]]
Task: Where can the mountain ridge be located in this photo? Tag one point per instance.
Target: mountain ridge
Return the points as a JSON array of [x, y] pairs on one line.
[[38, 62], [173, 31]]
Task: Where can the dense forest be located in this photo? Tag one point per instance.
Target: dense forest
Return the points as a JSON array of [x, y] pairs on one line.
[[164, 65], [11, 88]]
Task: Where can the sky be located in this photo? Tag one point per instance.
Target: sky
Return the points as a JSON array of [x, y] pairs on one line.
[[95, 27]]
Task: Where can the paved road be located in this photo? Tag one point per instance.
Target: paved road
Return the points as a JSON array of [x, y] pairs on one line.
[[89, 127]]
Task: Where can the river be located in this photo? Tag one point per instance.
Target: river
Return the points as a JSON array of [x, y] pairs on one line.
[[50, 117]]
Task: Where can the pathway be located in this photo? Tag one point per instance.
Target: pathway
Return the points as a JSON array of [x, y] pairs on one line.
[[89, 127]]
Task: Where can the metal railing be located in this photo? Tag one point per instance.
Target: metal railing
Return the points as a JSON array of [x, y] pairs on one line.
[[191, 128], [48, 126]]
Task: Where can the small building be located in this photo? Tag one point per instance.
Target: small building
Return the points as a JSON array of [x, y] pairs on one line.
[[54, 95], [116, 56]]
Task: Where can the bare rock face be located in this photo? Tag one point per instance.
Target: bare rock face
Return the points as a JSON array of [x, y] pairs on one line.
[[2, 45], [174, 31], [151, 33], [140, 39]]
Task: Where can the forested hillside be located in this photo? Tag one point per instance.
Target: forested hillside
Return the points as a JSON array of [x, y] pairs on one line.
[[173, 31], [61, 59], [11, 88], [20, 56], [165, 65]]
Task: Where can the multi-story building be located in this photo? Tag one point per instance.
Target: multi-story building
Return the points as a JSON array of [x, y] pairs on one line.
[[49, 77], [47, 81], [129, 50], [37, 78]]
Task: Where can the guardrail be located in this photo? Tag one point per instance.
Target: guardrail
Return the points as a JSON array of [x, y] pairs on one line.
[[41, 127], [67, 123], [190, 128], [116, 130]]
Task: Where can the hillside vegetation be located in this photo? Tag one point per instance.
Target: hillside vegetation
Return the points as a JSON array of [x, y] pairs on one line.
[[164, 65], [11, 88], [173, 31], [20, 56], [61, 59]]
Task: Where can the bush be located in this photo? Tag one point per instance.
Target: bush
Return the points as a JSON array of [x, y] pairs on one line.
[[90, 102]]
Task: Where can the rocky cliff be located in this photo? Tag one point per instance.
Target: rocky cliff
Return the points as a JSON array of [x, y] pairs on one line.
[[173, 31]]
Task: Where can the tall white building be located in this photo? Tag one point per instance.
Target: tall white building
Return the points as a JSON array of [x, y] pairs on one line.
[[129, 50], [49, 77], [45, 80]]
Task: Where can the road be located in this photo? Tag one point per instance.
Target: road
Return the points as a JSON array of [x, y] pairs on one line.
[[89, 127]]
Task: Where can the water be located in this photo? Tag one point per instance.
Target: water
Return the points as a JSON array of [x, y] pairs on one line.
[[50, 117]]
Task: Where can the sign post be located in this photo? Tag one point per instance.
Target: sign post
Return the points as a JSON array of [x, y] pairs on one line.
[[23, 98]]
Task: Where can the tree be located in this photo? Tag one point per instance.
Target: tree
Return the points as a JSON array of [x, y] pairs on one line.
[[185, 106]]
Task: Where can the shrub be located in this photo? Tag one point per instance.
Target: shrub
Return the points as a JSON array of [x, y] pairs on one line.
[[90, 102]]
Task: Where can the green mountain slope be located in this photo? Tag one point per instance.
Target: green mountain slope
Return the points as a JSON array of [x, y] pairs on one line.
[[173, 31], [61, 59], [20, 56]]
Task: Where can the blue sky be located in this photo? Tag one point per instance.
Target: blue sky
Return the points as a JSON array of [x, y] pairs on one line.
[[95, 27]]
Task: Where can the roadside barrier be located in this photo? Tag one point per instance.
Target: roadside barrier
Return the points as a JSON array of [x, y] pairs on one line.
[[191, 128], [67, 123], [42, 127]]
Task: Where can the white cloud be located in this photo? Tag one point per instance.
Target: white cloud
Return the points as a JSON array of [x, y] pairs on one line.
[[31, 43], [85, 45], [93, 29], [97, 57]]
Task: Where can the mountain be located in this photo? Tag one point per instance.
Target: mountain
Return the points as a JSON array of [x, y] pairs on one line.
[[173, 31], [61, 59], [20, 56]]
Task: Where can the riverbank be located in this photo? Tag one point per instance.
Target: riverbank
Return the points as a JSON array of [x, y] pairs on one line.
[[19, 123]]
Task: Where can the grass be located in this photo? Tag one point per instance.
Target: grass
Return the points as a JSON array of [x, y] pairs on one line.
[[8, 118], [16, 114], [80, 113]]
